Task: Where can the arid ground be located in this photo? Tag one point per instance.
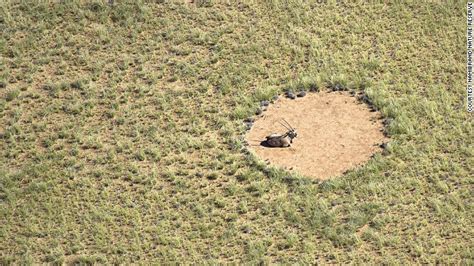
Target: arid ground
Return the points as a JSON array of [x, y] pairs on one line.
[[336, 133]]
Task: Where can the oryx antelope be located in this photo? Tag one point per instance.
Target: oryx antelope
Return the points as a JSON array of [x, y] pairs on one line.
[[282, 140]]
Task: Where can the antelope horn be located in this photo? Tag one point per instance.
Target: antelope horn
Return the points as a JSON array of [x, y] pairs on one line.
[[283, 125], [288, 124]]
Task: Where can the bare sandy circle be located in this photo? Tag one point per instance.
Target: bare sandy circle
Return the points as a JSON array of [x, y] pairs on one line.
[[336, 133]]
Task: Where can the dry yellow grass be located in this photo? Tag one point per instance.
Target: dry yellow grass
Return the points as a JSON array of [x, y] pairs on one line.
[[121, 133]]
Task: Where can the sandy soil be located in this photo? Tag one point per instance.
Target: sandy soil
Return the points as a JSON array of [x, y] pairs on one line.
[[335, 133]]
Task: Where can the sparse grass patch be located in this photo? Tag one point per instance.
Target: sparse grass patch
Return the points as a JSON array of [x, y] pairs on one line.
[[11, 95], [120, 133]]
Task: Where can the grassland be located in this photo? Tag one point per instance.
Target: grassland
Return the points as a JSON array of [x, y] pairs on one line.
[[121, 133]]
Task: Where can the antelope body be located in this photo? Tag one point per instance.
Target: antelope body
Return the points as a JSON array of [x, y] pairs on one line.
[[282, 140]]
